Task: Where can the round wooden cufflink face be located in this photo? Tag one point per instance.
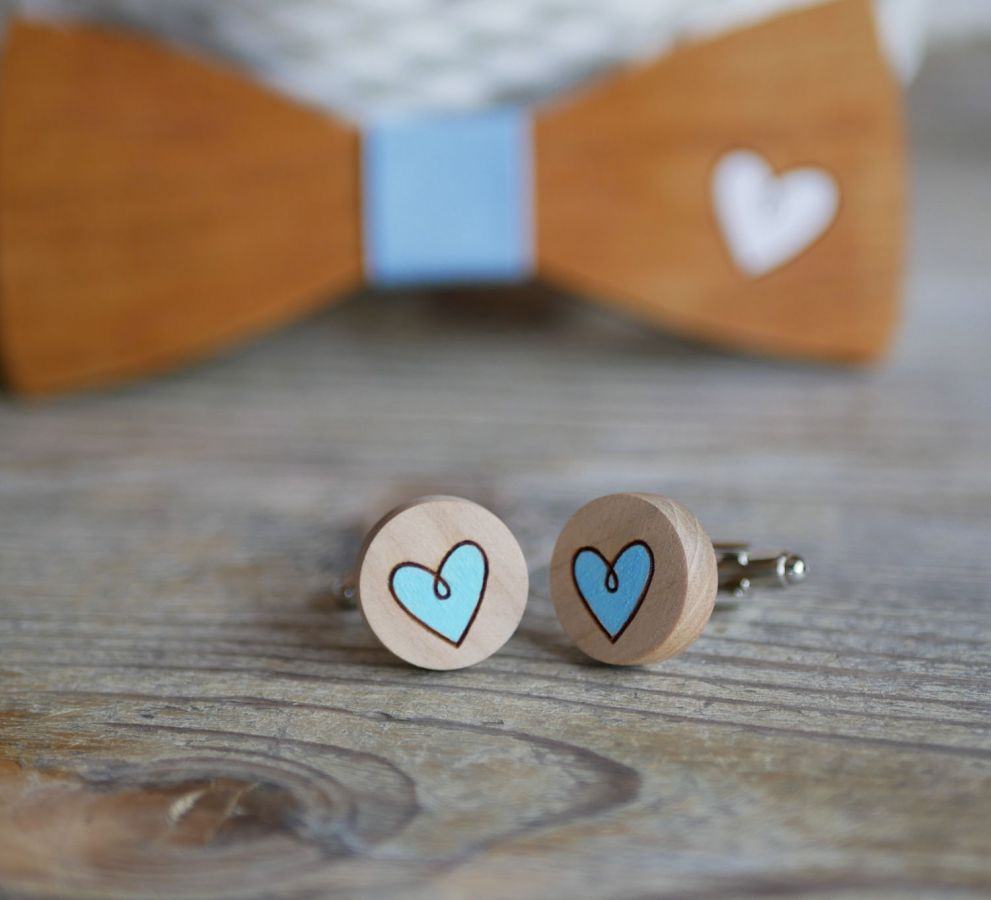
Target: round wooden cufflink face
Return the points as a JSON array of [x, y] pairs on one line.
[[633, 578], [442, 582]]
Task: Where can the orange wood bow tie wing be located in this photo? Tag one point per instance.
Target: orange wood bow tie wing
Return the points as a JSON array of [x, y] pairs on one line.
[[627, 177], [155, 207]]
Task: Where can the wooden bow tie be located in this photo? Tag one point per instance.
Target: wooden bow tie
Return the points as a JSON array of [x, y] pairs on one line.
[[747, 190]]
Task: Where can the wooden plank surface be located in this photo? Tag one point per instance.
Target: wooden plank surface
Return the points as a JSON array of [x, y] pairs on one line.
[[186, 712]]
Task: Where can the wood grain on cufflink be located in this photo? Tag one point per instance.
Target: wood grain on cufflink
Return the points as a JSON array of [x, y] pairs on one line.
[[442, 582], [625, 615]]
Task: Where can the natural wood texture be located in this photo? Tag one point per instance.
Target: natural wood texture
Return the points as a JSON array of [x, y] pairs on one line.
[[426, 533], [624, 176], [186, 712], [677, 597], [155, 208]]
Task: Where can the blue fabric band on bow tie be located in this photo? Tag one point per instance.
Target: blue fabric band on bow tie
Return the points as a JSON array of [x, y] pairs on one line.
[[448, 200]]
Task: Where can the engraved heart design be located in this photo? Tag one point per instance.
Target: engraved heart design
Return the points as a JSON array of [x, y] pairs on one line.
[[768, 219], [613, 592], [445, 601]]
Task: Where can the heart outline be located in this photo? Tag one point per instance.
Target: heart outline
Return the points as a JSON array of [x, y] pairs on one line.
[[438, 580], [742, 181], [611, 570]]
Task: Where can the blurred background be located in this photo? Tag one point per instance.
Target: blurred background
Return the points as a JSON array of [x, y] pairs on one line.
[[366, 58]]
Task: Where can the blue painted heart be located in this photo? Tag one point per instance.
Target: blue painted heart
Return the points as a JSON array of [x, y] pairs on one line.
[[445, 601], [613, 592]]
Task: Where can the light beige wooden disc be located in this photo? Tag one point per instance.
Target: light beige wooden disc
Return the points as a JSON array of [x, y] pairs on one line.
[[633, 578], [442, 582]]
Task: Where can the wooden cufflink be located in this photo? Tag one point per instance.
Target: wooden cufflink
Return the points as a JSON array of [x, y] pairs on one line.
[[442, 582], [634, 577]]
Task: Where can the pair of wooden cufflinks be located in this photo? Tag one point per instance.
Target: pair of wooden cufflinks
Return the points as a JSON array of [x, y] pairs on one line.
[[443, 583]]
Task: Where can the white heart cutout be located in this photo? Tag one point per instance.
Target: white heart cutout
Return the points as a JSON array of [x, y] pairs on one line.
[[768, 219]]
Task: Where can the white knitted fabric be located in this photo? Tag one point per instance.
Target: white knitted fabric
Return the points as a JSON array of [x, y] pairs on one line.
[[369, 58]]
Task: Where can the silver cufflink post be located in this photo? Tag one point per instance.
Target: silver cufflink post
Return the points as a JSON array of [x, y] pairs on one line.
[[347, 591], [740, 572]]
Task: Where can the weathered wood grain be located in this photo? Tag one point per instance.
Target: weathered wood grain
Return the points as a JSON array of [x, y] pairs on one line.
[[185, 712]]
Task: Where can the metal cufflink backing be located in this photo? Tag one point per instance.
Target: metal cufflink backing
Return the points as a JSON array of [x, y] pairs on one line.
[[740, 572]]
